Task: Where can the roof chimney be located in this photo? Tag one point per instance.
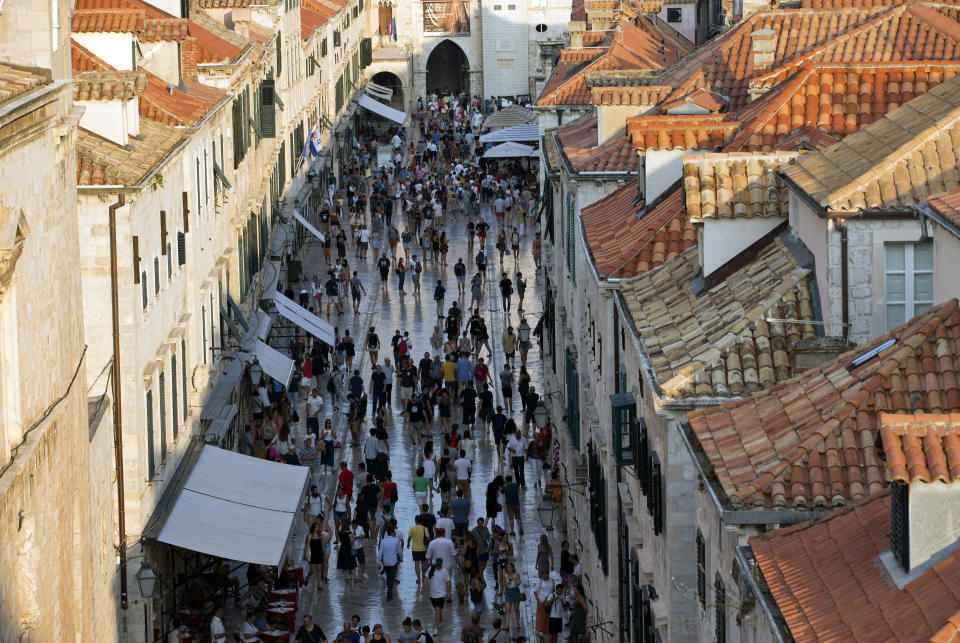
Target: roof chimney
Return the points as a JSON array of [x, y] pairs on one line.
[[810, 352], [764, 43], [576, 29]]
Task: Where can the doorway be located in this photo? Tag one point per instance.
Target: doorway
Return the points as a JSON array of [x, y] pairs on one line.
[[447, 69]]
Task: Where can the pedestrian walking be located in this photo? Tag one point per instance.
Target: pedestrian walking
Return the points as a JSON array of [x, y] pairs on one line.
[[438, 295], [389, 555]]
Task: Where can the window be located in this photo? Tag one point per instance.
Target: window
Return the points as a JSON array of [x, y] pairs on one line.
[[143, 288], [598, 506], [268, 110], [624, 423], [174, 410], [655, 494], [511, 7], [163, 417], [570, 239], [701, 570], [336, 37], [203, 327], [674, 14], [720, 611], [385, 16], [151, 465], [323, 47], [169, 261], [908, 281], [498, 7], [900, 524], [541, 28], [573, 400], [156, 275], [183, 371], [181, 249], [366, 53]]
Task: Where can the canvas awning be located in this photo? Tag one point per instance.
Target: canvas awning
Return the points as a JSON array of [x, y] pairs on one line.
[[306, 224], [510, 116], [529, 132], [386, 111], [511, 150], [236, 507], [303, 318], [273, 362], [379, 90]]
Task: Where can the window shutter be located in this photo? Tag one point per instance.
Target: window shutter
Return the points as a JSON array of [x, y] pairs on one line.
[[900, 524], [156, 275], [151, 465], [720, 610], [161, 386], [175, 411], [181, 249], [267, 110], [169, 261], [143, 287], [701, 570]]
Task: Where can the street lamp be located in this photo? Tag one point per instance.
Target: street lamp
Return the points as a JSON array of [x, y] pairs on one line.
[[146, 579], [523, 330], [540, 415], [546, 511], [255, 372]]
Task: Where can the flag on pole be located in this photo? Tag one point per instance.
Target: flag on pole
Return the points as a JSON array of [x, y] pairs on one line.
[[312, 147], [392, 31]]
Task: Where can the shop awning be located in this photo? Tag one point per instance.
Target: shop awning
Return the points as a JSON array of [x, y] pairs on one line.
[[236, 507], [273, 362], [511, 149], [510, 116], [386, 111], [306, 224], [379, 90], [303, 318], [529, 132]]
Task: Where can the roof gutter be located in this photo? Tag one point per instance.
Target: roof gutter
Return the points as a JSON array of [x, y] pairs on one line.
[[736, 516], [933, 215], [645, 364], [778, 624]]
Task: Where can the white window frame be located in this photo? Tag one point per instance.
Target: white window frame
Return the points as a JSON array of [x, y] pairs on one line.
[[909, 273]]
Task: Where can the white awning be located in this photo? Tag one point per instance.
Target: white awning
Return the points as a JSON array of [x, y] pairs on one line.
[[510, 116], [306, 224], [303, 318], [510, 150], [379, 90], [386, 111], [530, 132], [236, 507], [273, 362]]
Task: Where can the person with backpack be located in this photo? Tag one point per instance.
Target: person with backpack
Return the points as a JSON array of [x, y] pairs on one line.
[[481, 260], [423, 636], [476, 290], [460, 271], [473, 633], [438, 581], [438, 294], [417, 268]]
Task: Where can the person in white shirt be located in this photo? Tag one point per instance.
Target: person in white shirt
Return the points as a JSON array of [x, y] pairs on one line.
[[313, 507], [248, 631], [359, 537], [441, 547], [439, 584], [445, 522], [555, 604], [314, 408], [462, 465], [517, 447], [542, 591], [218, 632]]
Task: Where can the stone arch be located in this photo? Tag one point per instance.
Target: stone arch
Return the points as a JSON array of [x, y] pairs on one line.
[[447, 68]]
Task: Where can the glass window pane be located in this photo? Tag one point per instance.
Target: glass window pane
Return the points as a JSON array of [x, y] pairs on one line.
[[896, 315], [895, 256], [923, 256], [896, 287], [919, 309], [923, 287]]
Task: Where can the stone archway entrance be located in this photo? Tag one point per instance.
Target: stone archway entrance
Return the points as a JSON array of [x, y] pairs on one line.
[[447, 69], [390, 80]]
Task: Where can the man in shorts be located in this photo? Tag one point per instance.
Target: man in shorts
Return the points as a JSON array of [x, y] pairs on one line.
[[356, 287], [511, 501], [417, 539]]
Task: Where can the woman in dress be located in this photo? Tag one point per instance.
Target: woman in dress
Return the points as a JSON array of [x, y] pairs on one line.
[[373, 345], [345, 560], [348, 349], [326, 437], [444, 247], [313, 551], [511, 595], [544, 556], [578, 612]]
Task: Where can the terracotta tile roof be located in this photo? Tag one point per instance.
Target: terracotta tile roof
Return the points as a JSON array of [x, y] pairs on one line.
[[947, 205], [803, 139], [811, 442], [581, 133], [108, 85], [223, 4], [166, 30], [215, 44], [717, 342], [899, 160], [627, 240], [615, 155], [102, 162], [309, 22], [637, 95], [83, 59], [632, 48], [733, 186], [703, 98], [583, 55], [922, 447], [14, 82], [148, 9], [838, 99], [825, 579], [578, 11], [174, 106], [593, 38], [108, 21], [707, 132]]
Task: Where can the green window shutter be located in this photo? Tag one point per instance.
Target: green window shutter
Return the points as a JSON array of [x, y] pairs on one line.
[[151, 465], [573, 399], [220, 176], [268, 122]]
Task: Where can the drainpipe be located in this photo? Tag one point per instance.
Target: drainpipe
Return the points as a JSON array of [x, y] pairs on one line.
[[844, 281], [117, 421]]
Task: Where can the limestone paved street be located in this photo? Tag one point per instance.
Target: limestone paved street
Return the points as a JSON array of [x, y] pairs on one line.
[[389, 311]]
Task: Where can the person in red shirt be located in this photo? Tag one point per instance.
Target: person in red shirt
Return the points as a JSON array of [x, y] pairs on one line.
[[389, 488], [345, 479]]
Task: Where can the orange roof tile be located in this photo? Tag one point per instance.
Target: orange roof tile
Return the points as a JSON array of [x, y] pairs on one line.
[[108, 85], [103, 162], [14, 82], [706, 132], [211, 47], [717, 342], [899, 160], [148, 9], [83, 59], [635, 95], [591, 38], [803, 139], [734, 186], [615, 155], [581, 133], [703, 98], [811, 442], [947, 205], [170, 105], [583, 55], [108, 20], [166, 30], [824, 577], [627, 239], [836, 98], [921, 447], [309, 21]]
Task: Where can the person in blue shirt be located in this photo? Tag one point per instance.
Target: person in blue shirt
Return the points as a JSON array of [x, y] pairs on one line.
[[356, 383], [461, 515]]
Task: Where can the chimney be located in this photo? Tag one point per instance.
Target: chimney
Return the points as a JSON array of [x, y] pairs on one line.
[[924, 492], [576, 29], [763, 45], [188, 58], [240, 18], [811, 352]]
